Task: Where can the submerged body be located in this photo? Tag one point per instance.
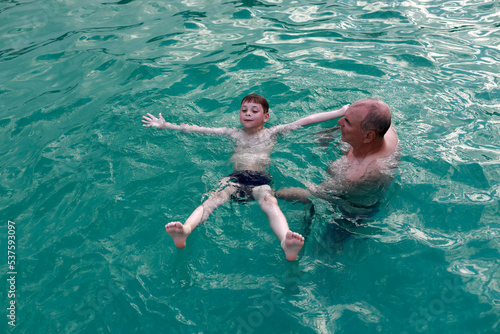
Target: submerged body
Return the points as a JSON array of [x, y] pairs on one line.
[[357, 198]]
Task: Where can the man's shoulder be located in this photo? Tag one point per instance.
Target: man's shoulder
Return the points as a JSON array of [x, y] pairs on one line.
[[389, 160], [388, 157], [391, 139], [391, 144]]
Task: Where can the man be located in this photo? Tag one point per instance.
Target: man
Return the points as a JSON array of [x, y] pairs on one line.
[[366, 127], [358, 180]]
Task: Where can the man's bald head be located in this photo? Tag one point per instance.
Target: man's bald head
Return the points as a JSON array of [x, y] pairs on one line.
[[377, 117]]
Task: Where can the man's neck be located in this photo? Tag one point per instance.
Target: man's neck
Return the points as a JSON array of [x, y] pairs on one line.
[[363, 151]]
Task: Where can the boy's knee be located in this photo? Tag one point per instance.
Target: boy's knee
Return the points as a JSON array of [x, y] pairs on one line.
[[261, 191], [268, 200], [271, 199]]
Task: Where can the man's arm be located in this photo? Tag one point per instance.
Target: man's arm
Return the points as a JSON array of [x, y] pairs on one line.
[[294, 195], [160, 123]]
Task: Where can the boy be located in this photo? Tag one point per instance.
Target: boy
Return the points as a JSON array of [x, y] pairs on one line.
[[251, 157]]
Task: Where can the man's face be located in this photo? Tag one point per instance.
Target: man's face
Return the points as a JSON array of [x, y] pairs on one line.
[[350, 124], [252, 115]]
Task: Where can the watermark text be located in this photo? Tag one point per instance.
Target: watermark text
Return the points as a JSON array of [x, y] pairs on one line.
[[11, 273]]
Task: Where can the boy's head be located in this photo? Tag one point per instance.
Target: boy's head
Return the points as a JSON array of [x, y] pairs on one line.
[[254, 112], [259, 99]]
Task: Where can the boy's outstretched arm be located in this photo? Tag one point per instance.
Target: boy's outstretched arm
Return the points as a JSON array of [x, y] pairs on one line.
[[320, 117], [160, 123]]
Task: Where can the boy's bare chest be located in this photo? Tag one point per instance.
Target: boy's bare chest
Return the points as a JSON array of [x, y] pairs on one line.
[[252, 142]]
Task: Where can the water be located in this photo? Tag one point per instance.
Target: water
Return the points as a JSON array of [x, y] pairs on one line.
[[90, 190]]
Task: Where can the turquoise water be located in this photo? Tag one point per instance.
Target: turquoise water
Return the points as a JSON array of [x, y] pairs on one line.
[[90, 190]]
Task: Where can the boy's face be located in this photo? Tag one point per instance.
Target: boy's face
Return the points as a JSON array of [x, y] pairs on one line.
[[252, 115]]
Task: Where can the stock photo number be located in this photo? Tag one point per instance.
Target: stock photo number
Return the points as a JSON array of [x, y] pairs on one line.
[[11, 273]]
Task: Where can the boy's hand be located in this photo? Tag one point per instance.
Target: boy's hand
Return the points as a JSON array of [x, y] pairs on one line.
[[151, 120], [344, 109]]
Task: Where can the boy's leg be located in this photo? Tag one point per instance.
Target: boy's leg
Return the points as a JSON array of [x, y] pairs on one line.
[[291, 242], [179, 231]]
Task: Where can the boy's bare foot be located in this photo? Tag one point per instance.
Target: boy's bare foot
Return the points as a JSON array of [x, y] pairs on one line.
[[292, 245], [177, 232]]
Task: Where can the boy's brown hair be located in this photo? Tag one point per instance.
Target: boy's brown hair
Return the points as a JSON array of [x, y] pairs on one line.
[[259, 99]]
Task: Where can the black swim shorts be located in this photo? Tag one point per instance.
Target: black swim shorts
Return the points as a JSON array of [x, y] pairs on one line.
[[245, 181]]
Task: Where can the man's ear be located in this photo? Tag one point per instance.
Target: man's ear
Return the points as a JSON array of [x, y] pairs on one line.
[[369, 136]]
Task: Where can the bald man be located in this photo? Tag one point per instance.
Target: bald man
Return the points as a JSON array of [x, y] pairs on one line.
[[358, 179], [366, 127]]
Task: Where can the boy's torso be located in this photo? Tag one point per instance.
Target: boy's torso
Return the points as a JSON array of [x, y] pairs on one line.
[[253, 151]]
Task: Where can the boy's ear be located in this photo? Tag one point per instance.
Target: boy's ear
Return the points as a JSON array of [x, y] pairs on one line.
[[266, 116]]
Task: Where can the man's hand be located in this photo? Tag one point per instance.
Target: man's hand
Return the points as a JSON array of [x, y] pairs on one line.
[[151, 120]]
